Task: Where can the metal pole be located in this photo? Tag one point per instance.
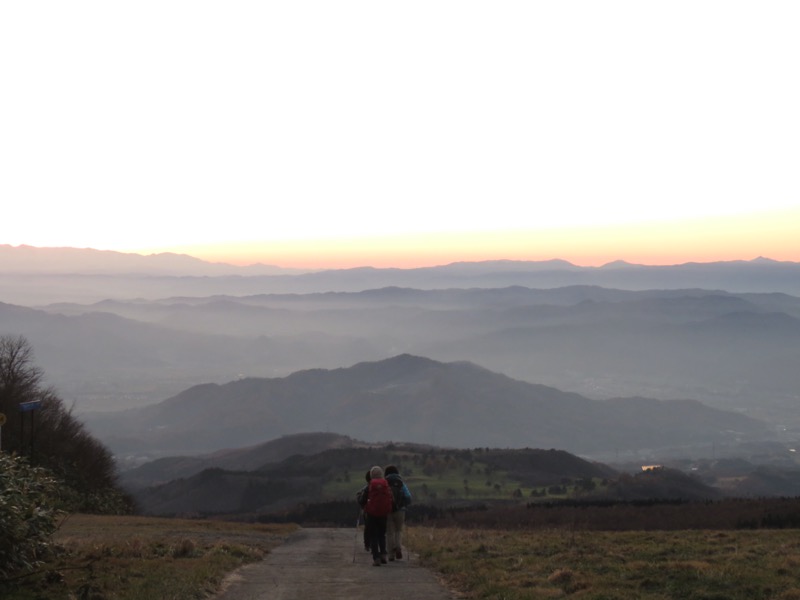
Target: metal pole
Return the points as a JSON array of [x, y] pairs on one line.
[[33, 436], [355, 542]]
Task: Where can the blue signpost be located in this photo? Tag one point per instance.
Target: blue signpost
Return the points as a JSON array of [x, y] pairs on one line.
[[25, 407]]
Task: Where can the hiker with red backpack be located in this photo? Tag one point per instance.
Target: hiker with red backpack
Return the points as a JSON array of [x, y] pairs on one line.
[[376, 500], [395, 523]]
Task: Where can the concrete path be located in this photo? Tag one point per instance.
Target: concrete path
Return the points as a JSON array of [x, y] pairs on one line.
[[318, 563]]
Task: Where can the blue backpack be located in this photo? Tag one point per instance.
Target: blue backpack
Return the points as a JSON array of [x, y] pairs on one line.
[[399, 499]]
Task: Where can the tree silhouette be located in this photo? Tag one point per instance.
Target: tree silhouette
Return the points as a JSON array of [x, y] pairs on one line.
[[50, 436]]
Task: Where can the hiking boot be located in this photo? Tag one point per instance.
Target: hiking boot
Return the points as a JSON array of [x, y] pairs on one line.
[[383, 559], [398, 554], [376, 563]]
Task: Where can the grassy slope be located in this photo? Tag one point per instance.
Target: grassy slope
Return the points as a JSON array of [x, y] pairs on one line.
[[138, 558], [135, 558], [661, 565], [440, 474]]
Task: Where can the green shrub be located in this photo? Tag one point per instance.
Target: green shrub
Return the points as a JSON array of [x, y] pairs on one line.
[[28, 515]]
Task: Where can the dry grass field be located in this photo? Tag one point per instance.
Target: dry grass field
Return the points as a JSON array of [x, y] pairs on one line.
[[628, 565], [139, 558]]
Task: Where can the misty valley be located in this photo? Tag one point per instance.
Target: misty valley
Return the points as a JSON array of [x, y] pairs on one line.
[[487, 381]]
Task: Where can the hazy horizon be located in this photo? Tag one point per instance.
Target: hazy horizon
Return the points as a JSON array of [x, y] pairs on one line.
[[337, 135], [142, 254]]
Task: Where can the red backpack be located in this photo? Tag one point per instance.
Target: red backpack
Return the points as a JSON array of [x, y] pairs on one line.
[[379, 498]]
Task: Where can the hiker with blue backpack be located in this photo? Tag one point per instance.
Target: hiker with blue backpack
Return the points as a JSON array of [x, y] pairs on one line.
[[396, 521], [376, 500]]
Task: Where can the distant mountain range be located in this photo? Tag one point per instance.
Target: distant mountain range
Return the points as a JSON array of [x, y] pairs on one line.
[[732, 351], [414, 399], [37, 276], [115, 331], [31, 260]]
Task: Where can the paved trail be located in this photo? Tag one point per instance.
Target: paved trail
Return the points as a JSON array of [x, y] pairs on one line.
[[318, 563]]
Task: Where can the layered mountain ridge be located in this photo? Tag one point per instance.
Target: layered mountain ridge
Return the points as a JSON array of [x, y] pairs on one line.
[[414, 399]]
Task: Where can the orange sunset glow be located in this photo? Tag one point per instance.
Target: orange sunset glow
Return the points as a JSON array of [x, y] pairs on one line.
[[329, 135], [772, 235]]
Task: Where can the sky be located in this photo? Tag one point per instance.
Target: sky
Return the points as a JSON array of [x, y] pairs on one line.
[[333, 134]]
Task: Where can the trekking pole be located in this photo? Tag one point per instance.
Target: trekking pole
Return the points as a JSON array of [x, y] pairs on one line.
[[355, 542]]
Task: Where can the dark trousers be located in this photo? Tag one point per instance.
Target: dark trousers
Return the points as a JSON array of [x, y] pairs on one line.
[[376, 532]]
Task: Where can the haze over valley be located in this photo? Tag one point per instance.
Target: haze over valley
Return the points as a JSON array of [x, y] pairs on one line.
[[496, 354], [733, 350]]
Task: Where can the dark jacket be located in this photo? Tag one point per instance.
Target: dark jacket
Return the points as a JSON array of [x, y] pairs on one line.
[[362, 496], [396, 482]]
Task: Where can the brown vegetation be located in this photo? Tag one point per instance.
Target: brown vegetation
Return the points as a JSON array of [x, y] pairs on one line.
[[663, 565], [137, 558]]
